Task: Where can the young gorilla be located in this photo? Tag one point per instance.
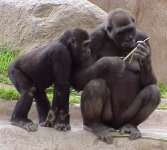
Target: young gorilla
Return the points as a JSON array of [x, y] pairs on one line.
[[36, 70], [115, 102]]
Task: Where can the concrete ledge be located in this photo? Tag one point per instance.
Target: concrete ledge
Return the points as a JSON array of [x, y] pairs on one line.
[[14, 138]]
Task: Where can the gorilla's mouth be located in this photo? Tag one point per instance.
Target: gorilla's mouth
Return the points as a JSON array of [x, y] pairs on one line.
[[128, 45]]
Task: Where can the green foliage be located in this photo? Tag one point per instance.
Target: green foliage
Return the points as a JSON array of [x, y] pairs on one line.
[[8, 93], [74, 97], [163, 89], [162, 106], [7, 54], [4, 79]]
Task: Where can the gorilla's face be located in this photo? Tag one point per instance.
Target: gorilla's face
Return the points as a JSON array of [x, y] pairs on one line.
[[121, 29], [125, 37], [80, 46]]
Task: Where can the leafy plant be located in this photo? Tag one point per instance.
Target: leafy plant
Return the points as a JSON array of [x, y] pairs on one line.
[[8, 93], [7, 54], [163, 89]]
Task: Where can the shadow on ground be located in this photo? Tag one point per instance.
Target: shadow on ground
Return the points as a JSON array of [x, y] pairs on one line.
[[14, 138]]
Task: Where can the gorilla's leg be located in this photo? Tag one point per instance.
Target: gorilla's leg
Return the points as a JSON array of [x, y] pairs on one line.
[[142, 107], [58, 116], [95, 99], [26, 89], [42, 104], [151, 99], [50, 120], [60, 106]]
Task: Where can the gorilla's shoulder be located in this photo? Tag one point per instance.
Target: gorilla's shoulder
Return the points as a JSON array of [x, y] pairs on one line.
[[98, 33]]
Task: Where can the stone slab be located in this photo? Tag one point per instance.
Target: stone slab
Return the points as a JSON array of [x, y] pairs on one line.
[[15, 138]]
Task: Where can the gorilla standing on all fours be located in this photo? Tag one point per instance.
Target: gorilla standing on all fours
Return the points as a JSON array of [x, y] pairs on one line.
[[36, 70], [118, 101]]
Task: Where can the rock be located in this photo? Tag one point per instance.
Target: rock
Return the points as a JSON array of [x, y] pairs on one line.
[[28, 23], [14, 138], [108, 5], [152, 18]]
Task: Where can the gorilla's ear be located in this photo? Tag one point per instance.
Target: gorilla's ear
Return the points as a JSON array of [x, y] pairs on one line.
[[72, 42]]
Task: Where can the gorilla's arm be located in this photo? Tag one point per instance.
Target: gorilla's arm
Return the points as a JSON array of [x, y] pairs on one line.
[[98, 40], [98, 70], [89, 69], [144, 54], [83, 76], [147, 74], [61, 71], [92, 68]]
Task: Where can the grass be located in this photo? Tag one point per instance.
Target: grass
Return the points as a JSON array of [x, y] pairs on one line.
[[8, 93], [7, 54], [163, 89], [162, 106]]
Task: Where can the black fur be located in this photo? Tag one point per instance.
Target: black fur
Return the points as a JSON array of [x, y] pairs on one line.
[[38, 69], [117, 94]]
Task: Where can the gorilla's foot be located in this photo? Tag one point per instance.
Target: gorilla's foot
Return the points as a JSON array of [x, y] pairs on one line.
[[106, 135], [132, 130], [62, 121], [50, 120], [47, 123], [62, 127], [103, 132], [26, 124]]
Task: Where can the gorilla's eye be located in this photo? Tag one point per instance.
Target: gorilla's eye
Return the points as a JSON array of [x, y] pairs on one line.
[[86, 43], [130, 30]]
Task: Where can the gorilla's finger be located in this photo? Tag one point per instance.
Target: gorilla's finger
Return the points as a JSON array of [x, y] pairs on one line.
[[144, 54]]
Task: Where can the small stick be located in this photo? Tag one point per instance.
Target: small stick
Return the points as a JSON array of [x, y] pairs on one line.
[[131, 58], [147, 39], [134, 50], [130, 53], [143, 136], [118, 135]]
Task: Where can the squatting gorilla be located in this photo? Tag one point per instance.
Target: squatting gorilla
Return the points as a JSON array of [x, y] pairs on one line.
[[36, 70], [117, 101]]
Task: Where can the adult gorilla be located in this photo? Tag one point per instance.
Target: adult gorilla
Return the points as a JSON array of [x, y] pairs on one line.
[[118, 102]]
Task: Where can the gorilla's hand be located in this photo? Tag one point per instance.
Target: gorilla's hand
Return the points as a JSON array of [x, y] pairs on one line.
[[113, 65], [142, 52]]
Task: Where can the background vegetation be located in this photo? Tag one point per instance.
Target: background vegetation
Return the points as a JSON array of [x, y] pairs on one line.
[[8, 92]]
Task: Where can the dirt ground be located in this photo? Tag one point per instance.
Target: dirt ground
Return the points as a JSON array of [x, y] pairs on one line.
[[14, 138]]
